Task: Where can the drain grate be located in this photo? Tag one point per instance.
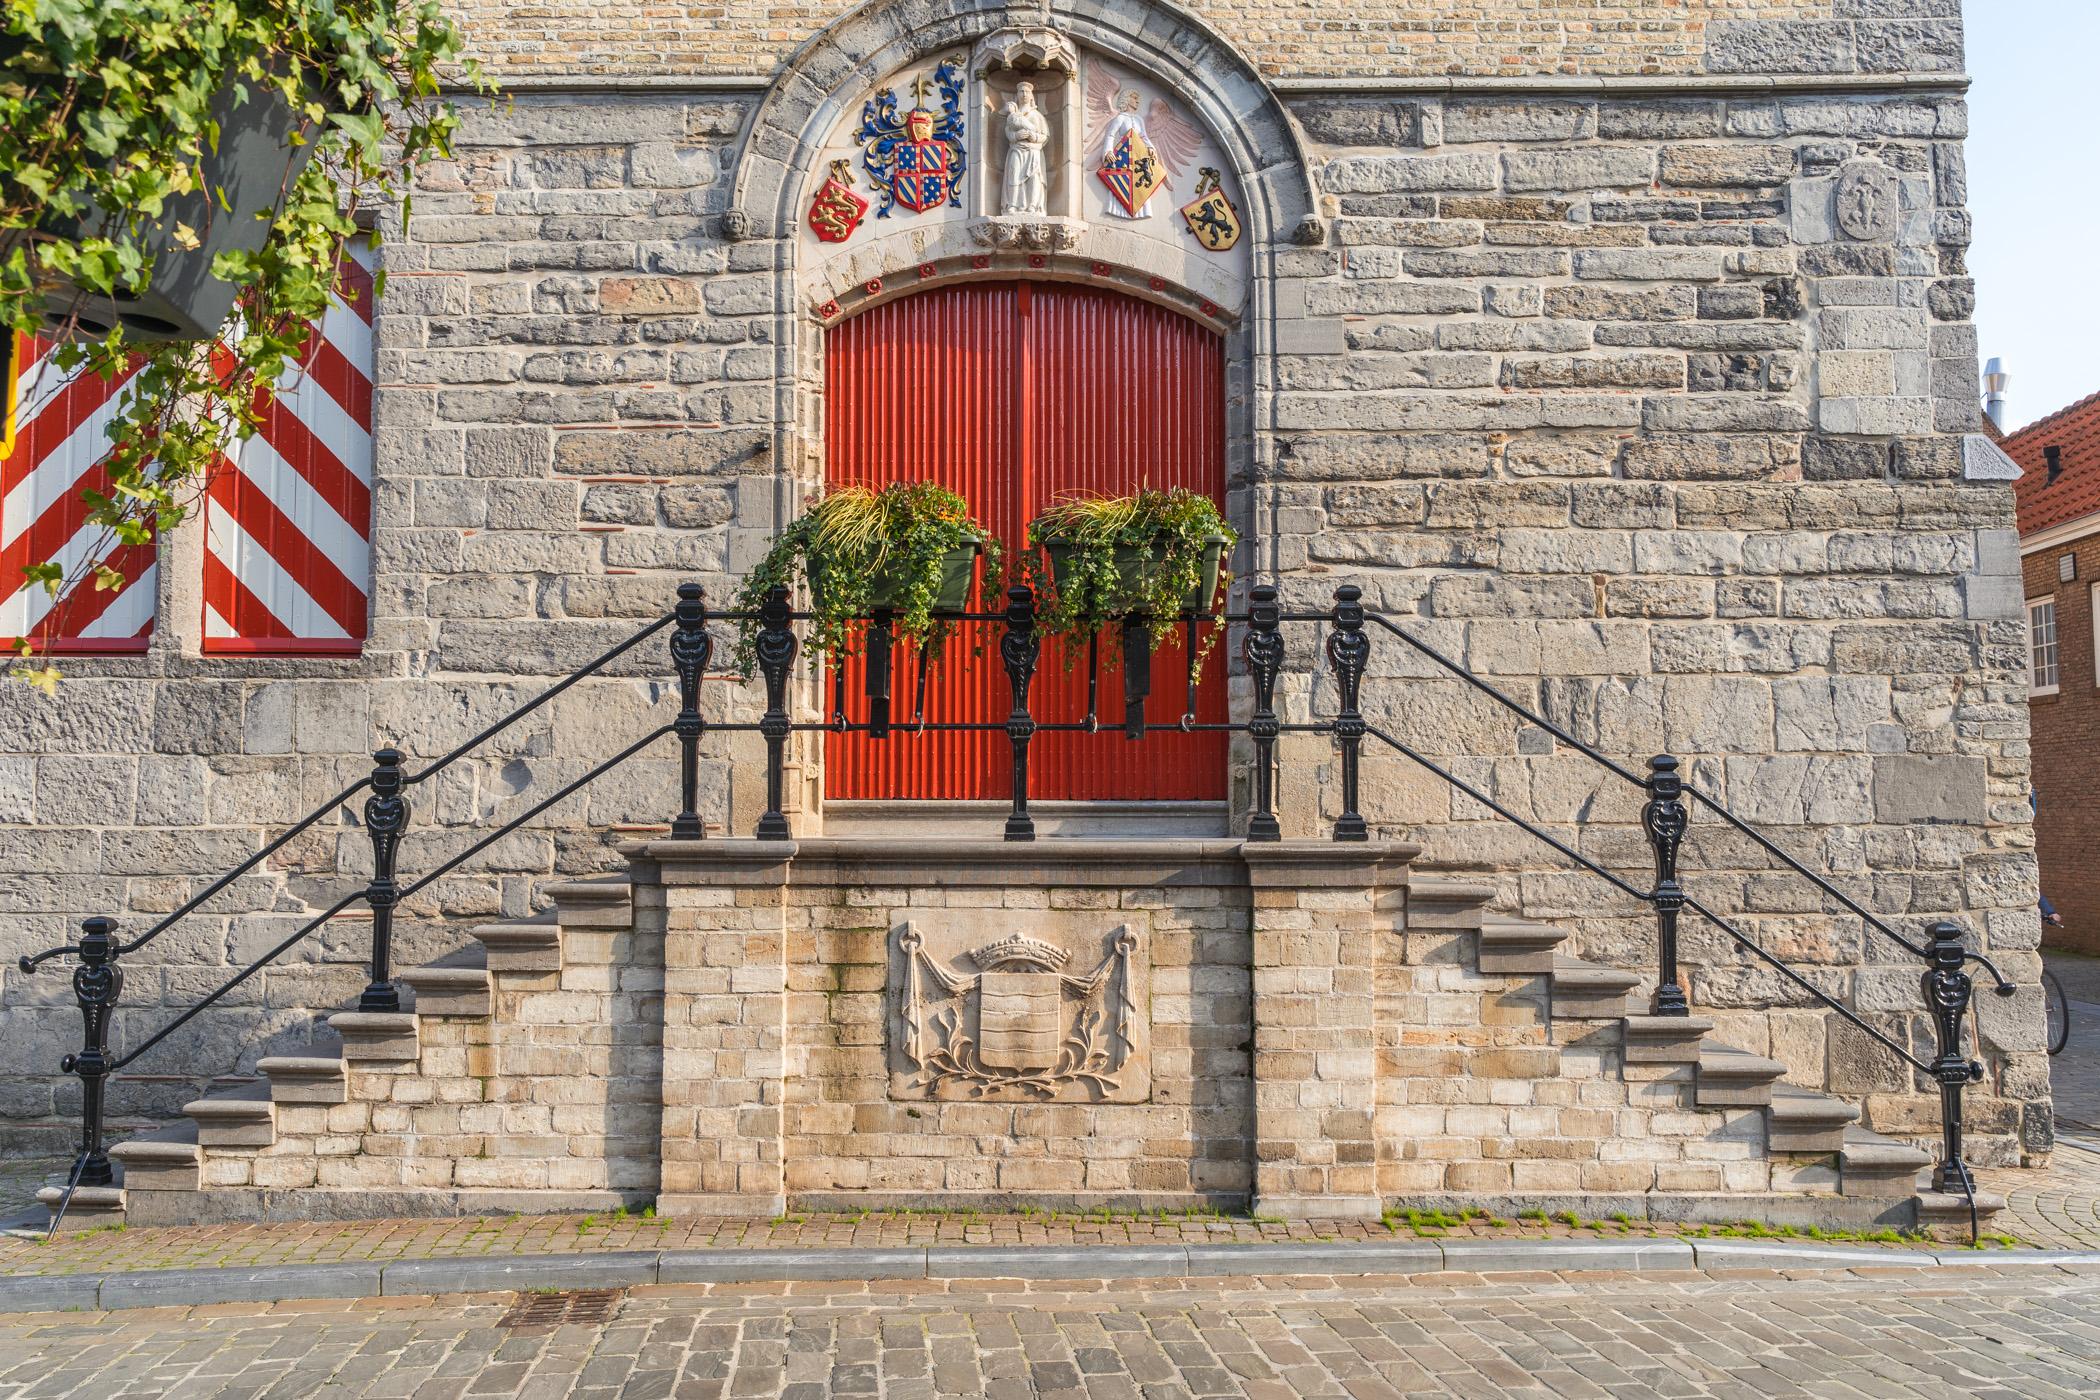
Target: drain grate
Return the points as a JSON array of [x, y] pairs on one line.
[[590, 1307]]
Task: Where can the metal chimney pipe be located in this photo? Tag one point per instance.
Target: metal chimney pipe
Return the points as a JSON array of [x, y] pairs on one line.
[[1994, 381]]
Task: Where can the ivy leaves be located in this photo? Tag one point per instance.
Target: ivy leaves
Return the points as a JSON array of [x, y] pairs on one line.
[[108, 132]]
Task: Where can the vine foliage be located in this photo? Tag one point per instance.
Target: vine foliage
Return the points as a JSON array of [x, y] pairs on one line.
[[106, 126], [859, 548]]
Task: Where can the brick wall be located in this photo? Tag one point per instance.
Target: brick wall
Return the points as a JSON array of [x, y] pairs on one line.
[[2067, 748]]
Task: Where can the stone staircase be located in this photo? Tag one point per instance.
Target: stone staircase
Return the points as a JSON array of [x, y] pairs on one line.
[[1823, 1164], [520, 1079], [299, 1140]]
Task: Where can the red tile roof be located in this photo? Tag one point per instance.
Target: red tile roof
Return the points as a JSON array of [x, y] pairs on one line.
[[2076, 491]]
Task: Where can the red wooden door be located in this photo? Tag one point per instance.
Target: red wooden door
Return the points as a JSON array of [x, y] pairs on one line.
[[1013, 393]]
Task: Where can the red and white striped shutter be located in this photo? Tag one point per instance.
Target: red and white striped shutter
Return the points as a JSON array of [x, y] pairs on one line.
[[56, 439], [288, 519]]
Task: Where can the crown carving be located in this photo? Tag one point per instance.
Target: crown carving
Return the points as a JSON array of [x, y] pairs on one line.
[[1020, 948]]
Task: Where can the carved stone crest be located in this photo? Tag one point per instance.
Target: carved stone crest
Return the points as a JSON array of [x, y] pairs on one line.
[[1021, 1019], [1869, 201]]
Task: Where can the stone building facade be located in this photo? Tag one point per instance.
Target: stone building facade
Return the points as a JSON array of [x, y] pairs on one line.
[[1621, 353]]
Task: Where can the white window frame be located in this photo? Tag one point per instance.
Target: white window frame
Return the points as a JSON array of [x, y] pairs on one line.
[[2037, 650], [2092, 622]]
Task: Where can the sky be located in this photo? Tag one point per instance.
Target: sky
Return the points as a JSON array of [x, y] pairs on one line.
[[2034, 189]]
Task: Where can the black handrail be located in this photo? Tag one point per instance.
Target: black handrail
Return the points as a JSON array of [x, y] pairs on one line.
[[1665, 817]]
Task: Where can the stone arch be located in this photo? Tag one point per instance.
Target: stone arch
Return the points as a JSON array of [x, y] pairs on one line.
[[831, 71]]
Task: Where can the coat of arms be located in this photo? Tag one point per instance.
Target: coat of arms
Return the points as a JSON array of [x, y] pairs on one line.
[[916, 158], [1135, 155], [1210, 214], [1022, 1025], [837, 210]]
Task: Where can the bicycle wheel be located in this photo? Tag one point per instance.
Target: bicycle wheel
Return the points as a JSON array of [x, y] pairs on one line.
[[2059, 1012]]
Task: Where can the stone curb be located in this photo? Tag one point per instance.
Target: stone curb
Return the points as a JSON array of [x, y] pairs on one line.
[[150, 1288]]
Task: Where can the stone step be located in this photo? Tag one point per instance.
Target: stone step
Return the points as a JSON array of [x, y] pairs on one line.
[[1665, 1040], [1440, 902], [1801, 1120], [1952, 1208], [164, 1161], [524, 945], [381, 1037], [1872, 1165], [1732, 1078], [1583, 990], [306, 1078], [1518, 946], [600, 903], [245, 1118], [450, 991], [92, 1207]]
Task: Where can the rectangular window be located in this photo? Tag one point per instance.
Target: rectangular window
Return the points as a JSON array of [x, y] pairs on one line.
[[2041, 646], [54, 439], [288, 519]]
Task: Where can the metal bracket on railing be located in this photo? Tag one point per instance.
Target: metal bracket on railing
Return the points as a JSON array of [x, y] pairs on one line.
[[880, 644], [1137, 674], [691, 648]]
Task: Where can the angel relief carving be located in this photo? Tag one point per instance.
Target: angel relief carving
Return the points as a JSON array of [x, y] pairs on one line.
[[1135, 148], [1022, 1026]]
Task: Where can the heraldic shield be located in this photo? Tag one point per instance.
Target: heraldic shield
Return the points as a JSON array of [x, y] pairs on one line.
[[1132, 171], [837, 210], [1210, 214], [916, 158], [1010, 1021]]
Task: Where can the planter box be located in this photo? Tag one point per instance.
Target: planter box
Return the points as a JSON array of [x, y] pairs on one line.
[[1133, 564], [958, 568], [253, 164]]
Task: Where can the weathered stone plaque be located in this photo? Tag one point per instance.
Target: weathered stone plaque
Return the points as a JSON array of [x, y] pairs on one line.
[[1013, 1017]]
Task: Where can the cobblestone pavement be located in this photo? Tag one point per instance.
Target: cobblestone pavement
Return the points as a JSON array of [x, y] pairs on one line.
[[1972, 1333]]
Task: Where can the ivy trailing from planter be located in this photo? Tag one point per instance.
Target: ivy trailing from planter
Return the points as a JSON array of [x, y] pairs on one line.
[[203, 161], [1155, 554], [911, 548]]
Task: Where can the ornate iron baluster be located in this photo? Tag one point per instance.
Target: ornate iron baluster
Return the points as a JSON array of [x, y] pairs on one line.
[[1349, 651], [1948, 990], [776, 658], [1665, 818], [1020, 649], [1264, 653], [97, 984], [878, 685], [1137, 674], [691, 648], [386, 817]]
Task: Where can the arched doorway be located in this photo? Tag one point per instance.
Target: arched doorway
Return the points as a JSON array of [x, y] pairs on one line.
[[1013, 393]]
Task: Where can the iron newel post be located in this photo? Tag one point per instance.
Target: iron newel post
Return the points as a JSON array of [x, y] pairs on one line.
[[1020, 649], [1665, 818], [386, 817], [776, 658], [97, 984], [1948, 991], [1264, 652], [691, 649], [1349, 652]]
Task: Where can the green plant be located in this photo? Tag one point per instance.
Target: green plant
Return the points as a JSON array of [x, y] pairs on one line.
[[858, 546], [1112, 556], [106, 122]]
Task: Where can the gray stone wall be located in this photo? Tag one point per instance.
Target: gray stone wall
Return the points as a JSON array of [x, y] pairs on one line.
[[1647, 408]]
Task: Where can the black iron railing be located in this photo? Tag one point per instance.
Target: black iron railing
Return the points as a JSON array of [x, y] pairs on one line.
[[1345, 648]]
